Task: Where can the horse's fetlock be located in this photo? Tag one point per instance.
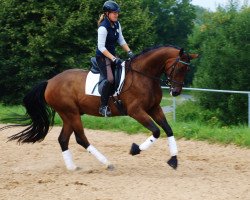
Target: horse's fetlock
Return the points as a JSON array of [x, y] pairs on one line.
[[63, 143], [156, 133]]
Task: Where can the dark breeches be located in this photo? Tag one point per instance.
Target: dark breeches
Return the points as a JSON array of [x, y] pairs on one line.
[[106, 68]]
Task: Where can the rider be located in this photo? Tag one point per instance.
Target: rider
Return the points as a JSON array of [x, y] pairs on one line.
[[109, 32]]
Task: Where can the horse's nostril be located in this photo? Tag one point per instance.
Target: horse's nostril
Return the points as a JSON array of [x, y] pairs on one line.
[[175, 94]]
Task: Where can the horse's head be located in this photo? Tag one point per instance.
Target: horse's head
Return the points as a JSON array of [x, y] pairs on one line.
[[176, 69]]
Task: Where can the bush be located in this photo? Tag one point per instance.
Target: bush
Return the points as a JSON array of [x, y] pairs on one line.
[[223, 41], [190, 112]]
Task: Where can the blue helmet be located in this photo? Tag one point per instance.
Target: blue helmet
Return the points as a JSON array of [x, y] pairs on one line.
[[111, 6]]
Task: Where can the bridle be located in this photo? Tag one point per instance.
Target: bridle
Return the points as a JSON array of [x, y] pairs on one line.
[[170, 79]]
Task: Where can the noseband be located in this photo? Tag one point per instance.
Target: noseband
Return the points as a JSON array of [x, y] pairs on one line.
[[170, 79]]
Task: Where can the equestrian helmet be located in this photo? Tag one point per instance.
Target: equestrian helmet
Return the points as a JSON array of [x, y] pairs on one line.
[[111, 6]]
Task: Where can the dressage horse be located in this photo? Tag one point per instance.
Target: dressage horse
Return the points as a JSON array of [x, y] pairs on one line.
[[140, 96]]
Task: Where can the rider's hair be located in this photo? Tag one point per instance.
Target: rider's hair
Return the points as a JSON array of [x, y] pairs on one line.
[[101, 19]]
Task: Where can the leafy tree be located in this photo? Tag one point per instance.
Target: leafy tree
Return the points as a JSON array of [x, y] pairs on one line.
[[173, 20], [137, 25], [39, 39], [223, 39]]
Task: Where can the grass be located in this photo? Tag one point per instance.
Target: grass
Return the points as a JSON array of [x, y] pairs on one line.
[[238, 135], [189, 128], [125, 124]]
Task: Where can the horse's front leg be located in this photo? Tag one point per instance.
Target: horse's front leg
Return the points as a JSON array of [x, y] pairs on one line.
[[142, 117], [158, 116]]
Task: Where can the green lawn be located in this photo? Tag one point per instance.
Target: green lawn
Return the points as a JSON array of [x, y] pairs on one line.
[[195, 130]]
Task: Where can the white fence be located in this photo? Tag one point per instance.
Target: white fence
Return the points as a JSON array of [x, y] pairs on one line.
[[211, 90]]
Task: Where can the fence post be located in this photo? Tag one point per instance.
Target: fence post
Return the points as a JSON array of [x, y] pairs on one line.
[[174, 107]]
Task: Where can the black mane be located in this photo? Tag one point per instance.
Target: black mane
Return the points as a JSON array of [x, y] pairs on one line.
[[153, 48]]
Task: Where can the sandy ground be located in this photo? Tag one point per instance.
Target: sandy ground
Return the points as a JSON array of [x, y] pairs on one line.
[[37, 171]]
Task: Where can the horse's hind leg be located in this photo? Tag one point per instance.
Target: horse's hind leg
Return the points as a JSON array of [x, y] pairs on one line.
[[83, 141], [63, 140]]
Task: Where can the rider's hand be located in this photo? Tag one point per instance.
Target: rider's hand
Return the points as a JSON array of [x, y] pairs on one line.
[[118, 61], [130, 54]]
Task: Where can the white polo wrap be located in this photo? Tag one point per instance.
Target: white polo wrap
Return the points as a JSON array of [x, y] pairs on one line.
[[151, 140], [91, 149], [67, 157], [172, 146]]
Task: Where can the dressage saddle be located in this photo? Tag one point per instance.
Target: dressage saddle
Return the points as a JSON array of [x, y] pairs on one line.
[[117, 75]]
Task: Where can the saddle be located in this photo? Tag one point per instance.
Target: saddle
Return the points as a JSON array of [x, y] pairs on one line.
[[117, 76], [94, 80]]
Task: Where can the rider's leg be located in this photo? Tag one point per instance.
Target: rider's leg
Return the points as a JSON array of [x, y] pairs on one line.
[[104, 65], [104, 109]]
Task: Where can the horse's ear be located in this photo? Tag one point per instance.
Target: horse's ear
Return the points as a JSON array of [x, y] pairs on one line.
[[193, 56], [181, 52]]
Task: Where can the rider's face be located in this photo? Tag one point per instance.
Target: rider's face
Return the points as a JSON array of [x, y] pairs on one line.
[[113, 16]]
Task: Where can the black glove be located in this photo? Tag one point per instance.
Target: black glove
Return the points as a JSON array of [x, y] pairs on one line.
[[118, 61], [130, 54]]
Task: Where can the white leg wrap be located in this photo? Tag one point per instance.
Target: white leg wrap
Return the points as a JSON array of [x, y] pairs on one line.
[[151, 140], [91, 149], [67, 157], [172, 146]]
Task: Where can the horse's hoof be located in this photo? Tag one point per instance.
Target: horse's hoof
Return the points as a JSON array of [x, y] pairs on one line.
[[134, 149], [78, 168], [173, 162], [110, 167], [72, 168]]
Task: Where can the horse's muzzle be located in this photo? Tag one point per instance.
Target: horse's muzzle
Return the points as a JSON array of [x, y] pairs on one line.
[[175, 91]]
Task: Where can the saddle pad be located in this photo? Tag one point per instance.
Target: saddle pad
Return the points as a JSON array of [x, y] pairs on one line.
[[91, 86]]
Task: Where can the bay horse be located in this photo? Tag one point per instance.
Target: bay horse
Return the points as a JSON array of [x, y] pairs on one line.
[[141, 96]]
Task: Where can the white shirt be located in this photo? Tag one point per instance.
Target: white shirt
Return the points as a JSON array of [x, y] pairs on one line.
[[102, 35]]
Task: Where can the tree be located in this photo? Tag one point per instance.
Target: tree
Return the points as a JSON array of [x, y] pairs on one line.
[[223, 40], [39, 39], [173, 20]]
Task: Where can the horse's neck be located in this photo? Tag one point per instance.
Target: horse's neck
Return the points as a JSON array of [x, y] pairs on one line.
[[152, 62]]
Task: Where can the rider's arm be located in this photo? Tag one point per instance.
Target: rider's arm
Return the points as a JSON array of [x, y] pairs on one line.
[[125, 47], [121, 40], [102, 35]]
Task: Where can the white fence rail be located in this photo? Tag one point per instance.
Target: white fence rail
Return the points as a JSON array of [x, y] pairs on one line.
[[212, 90]]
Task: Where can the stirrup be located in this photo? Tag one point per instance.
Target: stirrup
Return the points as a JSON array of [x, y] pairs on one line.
[[105, 111]]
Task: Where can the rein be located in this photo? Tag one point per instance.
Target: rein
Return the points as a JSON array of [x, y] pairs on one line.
[[146, 75], [169, 78]]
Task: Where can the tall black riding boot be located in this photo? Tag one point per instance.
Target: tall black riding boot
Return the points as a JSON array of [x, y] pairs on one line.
[[104, 109]]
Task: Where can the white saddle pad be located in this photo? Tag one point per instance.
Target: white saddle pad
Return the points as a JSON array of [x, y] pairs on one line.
[[91, 86]]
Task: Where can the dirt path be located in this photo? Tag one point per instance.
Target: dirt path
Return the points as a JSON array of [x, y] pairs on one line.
[[37, 171]]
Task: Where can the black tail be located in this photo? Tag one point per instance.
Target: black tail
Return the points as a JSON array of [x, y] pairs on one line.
[[39, 117]]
